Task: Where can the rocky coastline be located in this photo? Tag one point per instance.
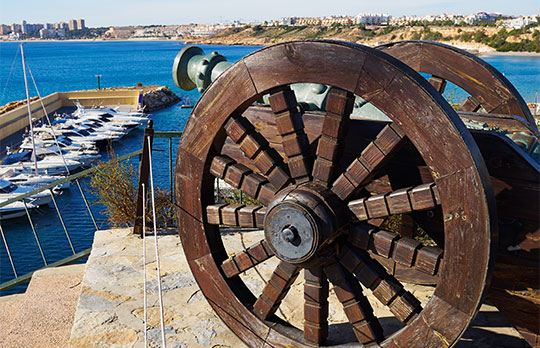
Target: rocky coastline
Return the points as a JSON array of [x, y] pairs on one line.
[[157, 98], [461, 37]]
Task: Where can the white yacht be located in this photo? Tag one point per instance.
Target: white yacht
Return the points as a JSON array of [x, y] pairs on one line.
[[33, 180], [10, 190], [22, 162], [81, 110]]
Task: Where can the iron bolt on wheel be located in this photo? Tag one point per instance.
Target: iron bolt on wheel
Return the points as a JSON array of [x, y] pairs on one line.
[[319, 205]]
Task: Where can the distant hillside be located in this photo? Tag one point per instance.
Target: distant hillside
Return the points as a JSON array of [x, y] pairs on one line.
[[481, 39]]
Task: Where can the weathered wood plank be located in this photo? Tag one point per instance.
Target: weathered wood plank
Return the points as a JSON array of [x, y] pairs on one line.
[[257, 149], [275, 290], [246, 259], [291, 128], [371, 158], [315, 306], [356, 306]]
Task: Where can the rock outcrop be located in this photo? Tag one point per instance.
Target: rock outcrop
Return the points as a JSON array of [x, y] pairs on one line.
[[158, 98]]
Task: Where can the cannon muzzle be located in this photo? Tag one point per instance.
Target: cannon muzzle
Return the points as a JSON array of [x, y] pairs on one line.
[[193, 69]]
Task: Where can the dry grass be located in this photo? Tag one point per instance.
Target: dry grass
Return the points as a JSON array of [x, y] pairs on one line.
[[114, 185]]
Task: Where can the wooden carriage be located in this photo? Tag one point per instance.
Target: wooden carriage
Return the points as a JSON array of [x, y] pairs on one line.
[[328, 183]]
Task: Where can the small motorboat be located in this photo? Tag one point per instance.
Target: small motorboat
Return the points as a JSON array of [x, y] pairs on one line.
[[13, 210]]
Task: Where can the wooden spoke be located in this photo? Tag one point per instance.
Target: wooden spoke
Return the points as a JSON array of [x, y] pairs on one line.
[[315, 305], [246, 259], [405, 251], [275, 290], [438, 82], [236, 215], [366, 327], [291, 128], [470, 105], [369, 160], [241, 177], [339, 106], [385, 288], [257, 149], [401, 201]]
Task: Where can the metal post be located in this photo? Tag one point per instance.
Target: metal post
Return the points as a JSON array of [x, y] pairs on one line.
[[30, 122], [145, 301], [153, 200], [170, 169], [8, 252], [87, 205], [98, 81], [144, 169], [35, 234], [62, 221]]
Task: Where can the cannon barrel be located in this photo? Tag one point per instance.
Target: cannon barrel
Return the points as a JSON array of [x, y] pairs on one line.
[[193, 69]]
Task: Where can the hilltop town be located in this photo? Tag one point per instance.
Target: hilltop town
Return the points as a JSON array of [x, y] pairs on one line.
[[481, 31]]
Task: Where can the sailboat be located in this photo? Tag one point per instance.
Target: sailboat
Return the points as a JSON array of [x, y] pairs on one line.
[[29, 162], [9, 190]]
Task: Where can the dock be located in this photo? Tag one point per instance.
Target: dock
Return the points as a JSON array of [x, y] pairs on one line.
[[146, 98]]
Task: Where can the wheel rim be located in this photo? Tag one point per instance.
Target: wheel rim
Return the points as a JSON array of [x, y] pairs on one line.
[[487, 87], [376, 77]]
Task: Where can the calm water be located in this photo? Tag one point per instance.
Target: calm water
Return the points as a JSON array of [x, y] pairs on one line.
[[66, 66]]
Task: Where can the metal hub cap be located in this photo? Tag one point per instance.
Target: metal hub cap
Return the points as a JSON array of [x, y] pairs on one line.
[[292, 231]]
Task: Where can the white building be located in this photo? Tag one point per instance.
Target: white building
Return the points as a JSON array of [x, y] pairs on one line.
[[288, 20], [372, 19], [46, 33], [519, 22], [52, 33]]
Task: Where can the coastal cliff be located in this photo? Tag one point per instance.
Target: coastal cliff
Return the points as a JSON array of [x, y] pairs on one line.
[[474, 39]]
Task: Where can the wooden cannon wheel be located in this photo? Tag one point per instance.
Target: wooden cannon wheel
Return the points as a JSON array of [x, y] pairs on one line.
[[315, 212], [488, 88]]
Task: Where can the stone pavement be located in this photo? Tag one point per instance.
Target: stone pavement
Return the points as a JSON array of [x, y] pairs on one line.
[[110, 310], [42, 316]]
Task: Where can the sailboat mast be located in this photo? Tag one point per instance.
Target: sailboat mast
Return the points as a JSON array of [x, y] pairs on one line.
[[29, 111]]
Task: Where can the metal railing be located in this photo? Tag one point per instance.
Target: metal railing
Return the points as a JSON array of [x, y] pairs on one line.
[[19, 279]]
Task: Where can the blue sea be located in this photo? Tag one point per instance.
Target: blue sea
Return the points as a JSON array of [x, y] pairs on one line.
[[67, 66]]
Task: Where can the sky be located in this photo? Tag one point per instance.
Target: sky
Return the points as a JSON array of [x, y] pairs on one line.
[[105, 13]]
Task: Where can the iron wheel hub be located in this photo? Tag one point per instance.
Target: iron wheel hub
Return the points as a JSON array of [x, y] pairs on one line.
[[298, 222]]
